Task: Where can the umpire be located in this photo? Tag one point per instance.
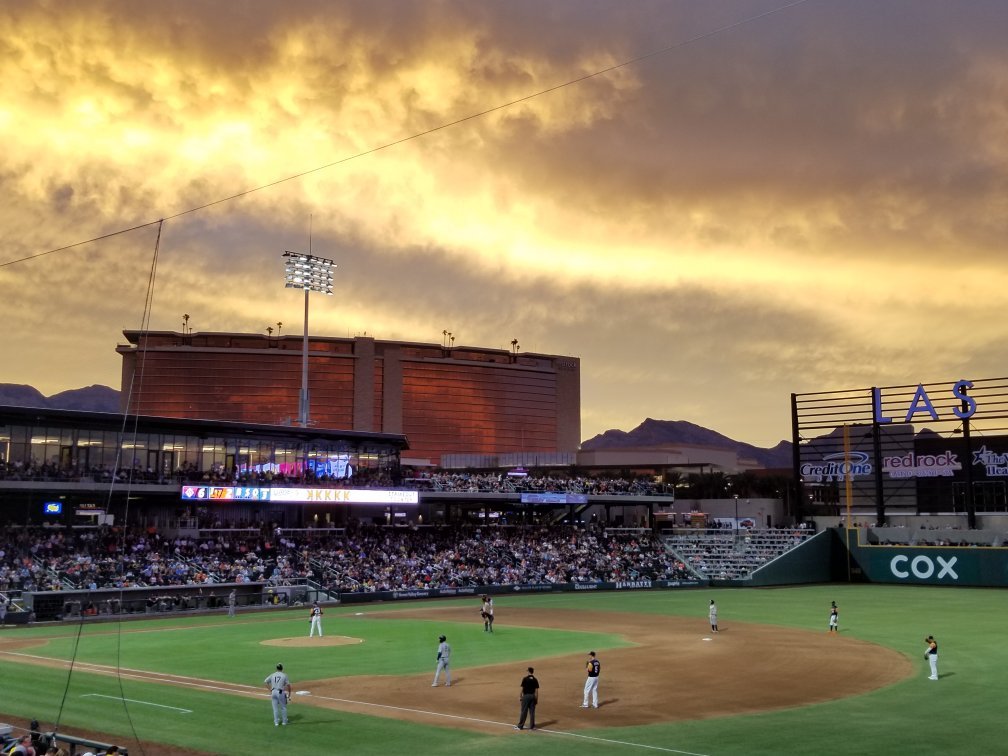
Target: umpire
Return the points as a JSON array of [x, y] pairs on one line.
[[529, 699]]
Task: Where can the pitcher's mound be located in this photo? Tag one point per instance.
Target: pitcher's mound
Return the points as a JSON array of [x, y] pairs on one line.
[[303, 642]]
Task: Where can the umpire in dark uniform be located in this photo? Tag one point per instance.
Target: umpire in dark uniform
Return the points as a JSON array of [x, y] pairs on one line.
[[529, 699]]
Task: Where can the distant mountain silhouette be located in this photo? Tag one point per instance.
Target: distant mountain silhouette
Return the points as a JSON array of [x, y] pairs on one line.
[[91, 399], [658, 433]]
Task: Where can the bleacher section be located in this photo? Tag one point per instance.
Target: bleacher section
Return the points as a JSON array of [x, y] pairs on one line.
[[719, 555]]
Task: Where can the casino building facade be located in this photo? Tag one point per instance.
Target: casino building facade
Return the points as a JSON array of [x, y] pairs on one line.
[[445, 400]]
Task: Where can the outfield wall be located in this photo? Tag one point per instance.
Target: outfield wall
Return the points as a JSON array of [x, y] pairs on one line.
[[817, 560], [984, 566]]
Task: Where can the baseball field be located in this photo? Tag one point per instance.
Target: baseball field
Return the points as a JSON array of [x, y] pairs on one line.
[[772, 681]]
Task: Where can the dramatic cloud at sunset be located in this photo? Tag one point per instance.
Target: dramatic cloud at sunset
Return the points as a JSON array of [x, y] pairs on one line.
[[785, 197]]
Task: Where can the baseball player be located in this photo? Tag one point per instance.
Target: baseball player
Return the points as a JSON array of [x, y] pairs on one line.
[[712, 615], [591, 684], [932, 656], [315, 617], [280, 691], [231, 601], [834, 617], [443, 658], [487, 613]]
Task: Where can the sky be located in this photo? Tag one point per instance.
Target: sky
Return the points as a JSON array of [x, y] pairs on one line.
[[712, 204]]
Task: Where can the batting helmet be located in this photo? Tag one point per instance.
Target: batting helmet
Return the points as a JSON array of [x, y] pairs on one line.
[[442, 638]]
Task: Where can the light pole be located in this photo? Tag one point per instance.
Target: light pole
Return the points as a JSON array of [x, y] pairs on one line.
[[736, 516], [311, 274]]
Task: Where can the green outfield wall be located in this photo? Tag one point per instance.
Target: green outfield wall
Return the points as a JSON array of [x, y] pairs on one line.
[[983, 566], [817, 560]]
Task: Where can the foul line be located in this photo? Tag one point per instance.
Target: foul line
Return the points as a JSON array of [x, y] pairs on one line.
[[134, 700], [505, 724]]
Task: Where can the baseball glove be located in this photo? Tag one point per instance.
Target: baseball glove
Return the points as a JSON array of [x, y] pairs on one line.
[[483, 614]]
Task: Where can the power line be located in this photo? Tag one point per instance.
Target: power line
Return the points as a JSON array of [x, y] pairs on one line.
[[472, 116]]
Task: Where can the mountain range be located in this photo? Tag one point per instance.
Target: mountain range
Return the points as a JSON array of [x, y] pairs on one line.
[[648, 435], [658, 433], [90, 399]]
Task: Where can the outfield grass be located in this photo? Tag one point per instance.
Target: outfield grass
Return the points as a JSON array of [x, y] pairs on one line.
[[957, 714]]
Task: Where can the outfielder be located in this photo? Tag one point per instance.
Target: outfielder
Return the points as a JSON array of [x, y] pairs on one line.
[[315, 615], [486, 612], [834, 617], [712, 615], [280, 691], [591, 684], [443, 658], [932, 656]]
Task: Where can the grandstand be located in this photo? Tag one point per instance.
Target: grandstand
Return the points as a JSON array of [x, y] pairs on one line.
[[721, 555]]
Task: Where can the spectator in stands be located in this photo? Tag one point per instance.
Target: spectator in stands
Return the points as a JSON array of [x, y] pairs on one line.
[[23, 747]]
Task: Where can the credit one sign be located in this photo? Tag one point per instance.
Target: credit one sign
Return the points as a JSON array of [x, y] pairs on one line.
[[281, 495]]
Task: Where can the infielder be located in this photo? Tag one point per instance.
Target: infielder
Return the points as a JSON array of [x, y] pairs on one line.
[[315, 617], [280, 691], [712, 615], [591, 684], [834, 617], [443, 658], [932, 656], [486, 612]]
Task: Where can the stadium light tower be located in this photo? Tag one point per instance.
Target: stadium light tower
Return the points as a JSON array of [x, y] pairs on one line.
[[311, 274]]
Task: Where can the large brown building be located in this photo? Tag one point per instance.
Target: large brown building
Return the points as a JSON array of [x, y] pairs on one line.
[[446, 400]]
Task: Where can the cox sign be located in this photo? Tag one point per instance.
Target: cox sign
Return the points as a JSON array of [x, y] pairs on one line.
[[923, 567]]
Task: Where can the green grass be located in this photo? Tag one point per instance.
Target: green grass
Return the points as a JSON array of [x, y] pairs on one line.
[[958, 714]]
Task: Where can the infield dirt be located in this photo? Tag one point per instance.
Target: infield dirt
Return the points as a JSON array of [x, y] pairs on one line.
[[677, 670]]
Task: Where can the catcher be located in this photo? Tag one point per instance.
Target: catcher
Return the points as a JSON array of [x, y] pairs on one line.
[[487, 613]]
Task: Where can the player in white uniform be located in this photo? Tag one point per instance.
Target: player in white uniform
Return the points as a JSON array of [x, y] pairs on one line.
[[591, 683], [316, 620], [834, 618], [712, 615], [280, 690], [443, 659]]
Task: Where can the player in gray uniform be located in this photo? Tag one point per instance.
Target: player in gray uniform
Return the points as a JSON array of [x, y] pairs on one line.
[[712, 614], [280, 690], [443, 659], [932, 656], [231, 601]]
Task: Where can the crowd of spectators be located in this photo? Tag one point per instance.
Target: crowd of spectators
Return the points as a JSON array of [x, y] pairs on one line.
[[358, 558], [459, 482], [371, 559]]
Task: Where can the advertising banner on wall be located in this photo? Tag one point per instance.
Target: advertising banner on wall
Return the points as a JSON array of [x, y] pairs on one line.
[[278, 494], [942, 565]]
